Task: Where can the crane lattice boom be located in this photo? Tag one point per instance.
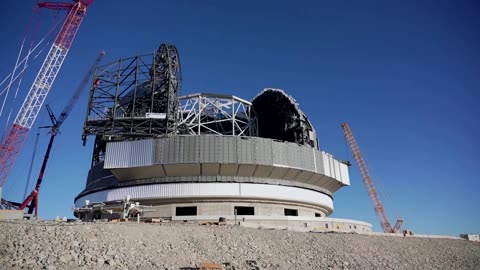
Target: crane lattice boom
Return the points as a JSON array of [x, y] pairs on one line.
[[13, 142], [32, 199], [367, 180], [66, 111]]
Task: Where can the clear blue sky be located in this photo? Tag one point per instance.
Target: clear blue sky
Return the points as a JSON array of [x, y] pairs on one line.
[[403, 74]]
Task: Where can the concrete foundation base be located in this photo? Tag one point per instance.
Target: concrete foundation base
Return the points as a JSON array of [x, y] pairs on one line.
[[222, 208], [249, 213], [11, 214], [289, 223]]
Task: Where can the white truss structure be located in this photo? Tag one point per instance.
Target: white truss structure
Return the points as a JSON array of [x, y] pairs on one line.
[[204, 113], [13, 142], [41, 86]]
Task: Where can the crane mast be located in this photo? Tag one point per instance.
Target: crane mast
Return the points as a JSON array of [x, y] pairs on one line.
[[18, 132], [32, 199], [367, 180]]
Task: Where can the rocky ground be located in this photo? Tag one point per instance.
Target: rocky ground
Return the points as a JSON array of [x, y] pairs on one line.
[[50, 245]]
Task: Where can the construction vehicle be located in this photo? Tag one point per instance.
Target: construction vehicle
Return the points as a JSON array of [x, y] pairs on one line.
[[114, 211], [18, 132], [367, 180], [32, 199]]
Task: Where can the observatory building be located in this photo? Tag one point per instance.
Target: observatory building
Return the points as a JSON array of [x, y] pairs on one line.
[[204, 156]]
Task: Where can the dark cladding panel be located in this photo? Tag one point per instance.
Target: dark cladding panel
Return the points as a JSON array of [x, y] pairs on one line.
[[280, 118], [97, 172], [105, 182]]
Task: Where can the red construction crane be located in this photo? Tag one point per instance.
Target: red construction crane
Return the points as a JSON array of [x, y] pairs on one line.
[[32, 199], [367, 180], [16, 136]]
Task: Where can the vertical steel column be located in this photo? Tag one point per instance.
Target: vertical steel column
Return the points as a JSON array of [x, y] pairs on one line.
[[115, 101]]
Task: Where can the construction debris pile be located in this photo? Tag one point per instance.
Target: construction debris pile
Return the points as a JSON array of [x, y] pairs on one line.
[[50, 245]]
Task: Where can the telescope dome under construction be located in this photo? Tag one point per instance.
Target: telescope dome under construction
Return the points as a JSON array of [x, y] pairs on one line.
[[203, 156]]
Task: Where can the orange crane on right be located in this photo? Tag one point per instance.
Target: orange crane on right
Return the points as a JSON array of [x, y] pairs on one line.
[[367, 180]]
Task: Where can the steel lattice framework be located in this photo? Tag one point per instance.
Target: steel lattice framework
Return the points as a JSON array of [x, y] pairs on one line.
[[367, 180], [134, 97], [32, 200], [138, 97], [32, 104], [216, 114]]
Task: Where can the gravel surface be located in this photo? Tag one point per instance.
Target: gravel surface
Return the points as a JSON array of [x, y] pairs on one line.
[[50, 245]]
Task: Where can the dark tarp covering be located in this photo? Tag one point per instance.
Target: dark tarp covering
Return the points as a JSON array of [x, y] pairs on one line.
[[279, 117]]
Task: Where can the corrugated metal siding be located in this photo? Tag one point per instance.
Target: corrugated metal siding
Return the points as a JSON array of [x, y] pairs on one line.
[[345, 174], [188, 151], [186, 190], [226, 149], [172, 150], [245, 150], [336, 165], [224, 155], [319, 162], [287, 193], [293, 155], [280, 153], [208, 152], [263, 151], [158, 151], [335, 169], [326, 164], [331, 168], [307, 158], [111, 182], [129, 154]]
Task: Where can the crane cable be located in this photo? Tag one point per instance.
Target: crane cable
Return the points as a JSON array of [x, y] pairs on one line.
[[31, 165], [25, 60], [8, 188], [14, 76]]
